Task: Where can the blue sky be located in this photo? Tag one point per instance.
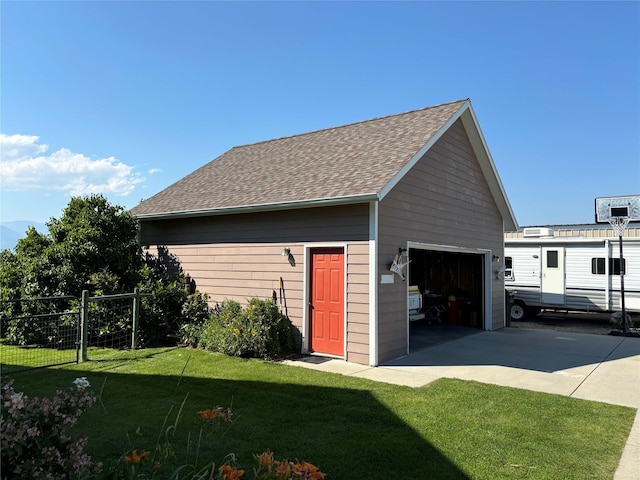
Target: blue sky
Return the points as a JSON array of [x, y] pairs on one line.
[[125, 98]]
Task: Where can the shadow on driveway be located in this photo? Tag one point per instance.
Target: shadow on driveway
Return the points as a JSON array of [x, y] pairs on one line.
[[537, 350]]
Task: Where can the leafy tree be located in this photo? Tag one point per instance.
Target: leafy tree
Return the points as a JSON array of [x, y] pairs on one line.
[[95, 241], [93, 246]]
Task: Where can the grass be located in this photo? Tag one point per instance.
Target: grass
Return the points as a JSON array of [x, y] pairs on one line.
[[349, 427]]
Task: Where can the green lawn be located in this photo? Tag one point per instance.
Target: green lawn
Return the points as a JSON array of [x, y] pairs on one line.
[[349, 427]]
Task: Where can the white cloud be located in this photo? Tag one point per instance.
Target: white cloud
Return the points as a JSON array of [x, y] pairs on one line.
[[154, 170], [25, 166]]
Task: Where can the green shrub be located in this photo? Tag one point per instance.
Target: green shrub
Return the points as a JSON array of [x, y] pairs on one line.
[[49, 329], [260, 330], [24, 331], [195, 309], [196, 313]]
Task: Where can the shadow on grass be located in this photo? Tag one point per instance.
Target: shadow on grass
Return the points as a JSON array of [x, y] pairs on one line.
[[346, 432]]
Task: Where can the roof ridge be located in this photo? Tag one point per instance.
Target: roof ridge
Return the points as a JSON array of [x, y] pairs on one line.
[[348, 124]]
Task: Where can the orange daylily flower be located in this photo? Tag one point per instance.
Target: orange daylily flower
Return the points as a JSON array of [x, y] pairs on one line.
[[284, 468], [218, 413], [265, 459], [288, 470], [207, 414], [230, 473], [135, 457]]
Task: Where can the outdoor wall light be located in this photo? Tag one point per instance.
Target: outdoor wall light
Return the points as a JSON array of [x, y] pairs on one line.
[[400, 262], [496, 258], [286, 252]]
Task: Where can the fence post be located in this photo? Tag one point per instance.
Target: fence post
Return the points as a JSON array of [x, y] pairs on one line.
[[84, 325], [136, 318]]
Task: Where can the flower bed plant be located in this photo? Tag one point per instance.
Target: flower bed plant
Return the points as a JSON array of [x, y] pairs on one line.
[[35, 440], [36, 445]]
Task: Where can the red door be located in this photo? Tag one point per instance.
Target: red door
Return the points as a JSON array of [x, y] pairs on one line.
[[327, 301]]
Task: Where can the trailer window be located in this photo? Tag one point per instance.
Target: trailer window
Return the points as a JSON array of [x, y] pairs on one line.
[[597, 266], [614, 266], [552, 259], [508, 267]]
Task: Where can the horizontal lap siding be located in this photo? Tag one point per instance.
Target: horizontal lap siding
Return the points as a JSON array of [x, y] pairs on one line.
[[327, 224], [358, 302], [242, 271], [443, 200], [239, 256]]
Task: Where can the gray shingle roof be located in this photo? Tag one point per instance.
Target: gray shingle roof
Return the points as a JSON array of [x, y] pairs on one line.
[[354, 160]]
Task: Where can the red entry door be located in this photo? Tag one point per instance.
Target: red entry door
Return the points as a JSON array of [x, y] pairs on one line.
[[327, 301]]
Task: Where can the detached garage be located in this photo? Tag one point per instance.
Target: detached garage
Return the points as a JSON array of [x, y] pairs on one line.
[[348, 222]]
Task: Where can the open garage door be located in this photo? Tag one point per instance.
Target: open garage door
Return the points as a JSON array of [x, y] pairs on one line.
[[452, 289]]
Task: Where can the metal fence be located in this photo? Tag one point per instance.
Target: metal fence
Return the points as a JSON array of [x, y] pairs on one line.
[[38, 332], [43, 332]]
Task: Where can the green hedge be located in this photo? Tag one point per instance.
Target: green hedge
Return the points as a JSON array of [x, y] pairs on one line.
[[259, 330]]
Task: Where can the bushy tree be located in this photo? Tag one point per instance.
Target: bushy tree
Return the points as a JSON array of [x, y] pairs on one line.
[[93, 242], [162, 311], [93, 246]]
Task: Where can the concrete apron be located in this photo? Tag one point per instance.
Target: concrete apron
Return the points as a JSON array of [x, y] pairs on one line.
[[601, 368]]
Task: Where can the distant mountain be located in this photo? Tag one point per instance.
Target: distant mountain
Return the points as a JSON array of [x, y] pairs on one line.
[[11, 232]]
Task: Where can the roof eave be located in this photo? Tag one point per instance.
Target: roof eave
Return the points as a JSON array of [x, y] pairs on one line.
[[425, 148], [264, 207], [480, 148], [488, 167]]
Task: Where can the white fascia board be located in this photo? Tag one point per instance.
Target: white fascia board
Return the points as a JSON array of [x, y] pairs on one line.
[[264, 207], [480, 148], [425, 148], [373, 283]]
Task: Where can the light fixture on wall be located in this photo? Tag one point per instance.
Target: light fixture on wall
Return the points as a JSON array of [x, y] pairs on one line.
[[496, 258], [400, 262], [286, 252]]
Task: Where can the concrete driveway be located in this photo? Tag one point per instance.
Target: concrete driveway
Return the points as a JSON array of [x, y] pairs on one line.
[[602, 368]]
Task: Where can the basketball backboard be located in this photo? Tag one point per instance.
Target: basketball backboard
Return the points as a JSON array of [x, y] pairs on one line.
[[611, 207]]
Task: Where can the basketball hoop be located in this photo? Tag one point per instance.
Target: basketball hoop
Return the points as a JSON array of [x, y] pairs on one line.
[[618, 211], [619, 224]]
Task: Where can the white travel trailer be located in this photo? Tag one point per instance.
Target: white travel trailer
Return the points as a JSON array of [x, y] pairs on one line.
[[543, 271]]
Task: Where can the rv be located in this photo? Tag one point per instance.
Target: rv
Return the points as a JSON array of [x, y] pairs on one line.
[[543, 271]]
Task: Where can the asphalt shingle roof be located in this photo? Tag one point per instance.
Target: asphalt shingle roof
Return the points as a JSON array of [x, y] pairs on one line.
[[352, 160]]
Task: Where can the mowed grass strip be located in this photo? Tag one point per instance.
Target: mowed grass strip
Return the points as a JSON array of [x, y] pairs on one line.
[[350, 428]]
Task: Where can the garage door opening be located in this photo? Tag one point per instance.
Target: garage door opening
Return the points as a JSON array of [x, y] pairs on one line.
[[446, 291]]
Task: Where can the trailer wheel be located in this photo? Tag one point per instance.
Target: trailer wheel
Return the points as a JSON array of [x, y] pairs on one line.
[[518, 311]]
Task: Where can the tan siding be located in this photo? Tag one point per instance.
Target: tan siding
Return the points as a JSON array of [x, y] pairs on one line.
[[239, 257], [359, 278], [359, 327], [358, 288], [362, 358], [358, 338], [360, 350], [443, 200], [358, 302], [354, 307]]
